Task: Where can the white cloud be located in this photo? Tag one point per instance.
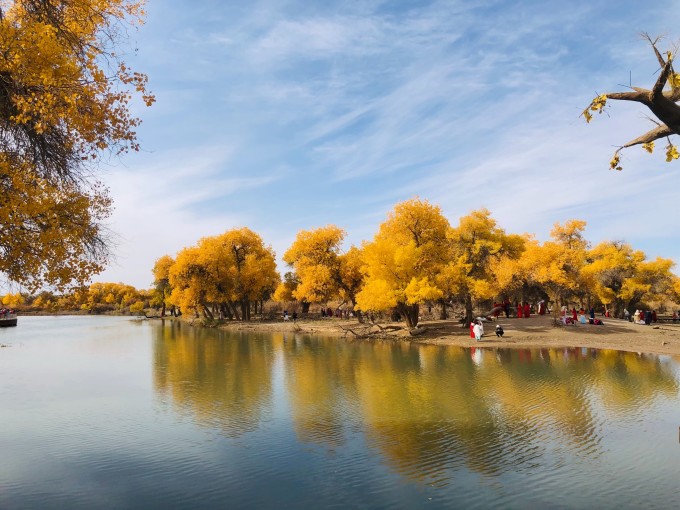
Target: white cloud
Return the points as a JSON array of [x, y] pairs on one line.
[[301, 116]]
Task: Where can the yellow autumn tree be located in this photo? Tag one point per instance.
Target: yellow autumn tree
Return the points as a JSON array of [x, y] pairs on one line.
[[653, 281], [12, 300], [161, 282], [675, 290], [191, 281], [103, 296], [251, 268], [624, 277], [315, 257], [514, 276], [403, 261], [558, 263], [65, 98], [285, 290], [351, 277], [477, 245], [224, 274]]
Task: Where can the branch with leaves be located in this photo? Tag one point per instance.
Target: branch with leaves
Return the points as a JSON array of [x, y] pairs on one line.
[[662, 99]]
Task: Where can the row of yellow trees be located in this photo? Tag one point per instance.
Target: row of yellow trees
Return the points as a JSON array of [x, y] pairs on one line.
[[97, 298], [416, 257]]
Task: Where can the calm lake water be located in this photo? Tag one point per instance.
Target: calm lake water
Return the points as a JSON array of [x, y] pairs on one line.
[[107, 412]]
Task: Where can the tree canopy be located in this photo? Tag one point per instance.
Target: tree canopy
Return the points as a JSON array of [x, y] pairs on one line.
[[65, 97], [314, 255], [224, 274], [403, 260]]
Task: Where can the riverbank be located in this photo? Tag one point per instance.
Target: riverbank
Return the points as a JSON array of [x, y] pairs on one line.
[[534, 332]]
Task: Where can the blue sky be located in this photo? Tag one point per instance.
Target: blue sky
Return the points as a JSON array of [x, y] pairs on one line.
[[284, 115]]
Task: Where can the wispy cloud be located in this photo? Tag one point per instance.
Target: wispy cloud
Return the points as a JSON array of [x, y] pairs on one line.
[[283, 115]]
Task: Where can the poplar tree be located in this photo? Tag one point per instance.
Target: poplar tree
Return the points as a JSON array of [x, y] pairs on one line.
[[65, 96]]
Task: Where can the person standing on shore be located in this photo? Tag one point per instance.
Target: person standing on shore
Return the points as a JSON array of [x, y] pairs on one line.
[[477, 330], [519, 310], [527, 310]]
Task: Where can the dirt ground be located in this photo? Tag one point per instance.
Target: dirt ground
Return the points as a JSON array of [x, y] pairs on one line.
[[534, 332]]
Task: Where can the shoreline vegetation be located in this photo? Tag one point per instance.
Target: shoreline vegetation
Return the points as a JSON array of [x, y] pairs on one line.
[[535, 332]]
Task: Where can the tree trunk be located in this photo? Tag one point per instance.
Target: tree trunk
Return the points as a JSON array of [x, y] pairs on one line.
[[410, 313], [245, 310], [305, 307], [163, 310], [207, 313], [468, 310], [226, 311], [234, 310], [443, 315], [557, 308]]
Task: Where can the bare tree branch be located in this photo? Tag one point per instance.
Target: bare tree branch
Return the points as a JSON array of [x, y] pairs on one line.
[[640, 95], [662, 62], [657, 90], [654, 134]]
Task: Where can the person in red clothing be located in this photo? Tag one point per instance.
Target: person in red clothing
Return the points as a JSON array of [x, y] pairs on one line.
[[527, 310], [472, 332], [519, 310], [574, 315]]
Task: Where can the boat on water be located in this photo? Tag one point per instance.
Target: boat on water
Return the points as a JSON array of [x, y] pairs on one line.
[[8, 319]]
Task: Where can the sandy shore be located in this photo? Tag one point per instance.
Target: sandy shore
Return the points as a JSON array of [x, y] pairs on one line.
[[534, 332]]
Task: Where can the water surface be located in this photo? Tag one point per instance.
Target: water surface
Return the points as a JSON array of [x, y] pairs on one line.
[[107, 412]]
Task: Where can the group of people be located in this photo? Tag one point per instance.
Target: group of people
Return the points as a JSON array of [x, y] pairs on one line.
[[644, 316], [524, 309], [477, 329], [579, 317], [6, 312], [287, 317], [339, 312]]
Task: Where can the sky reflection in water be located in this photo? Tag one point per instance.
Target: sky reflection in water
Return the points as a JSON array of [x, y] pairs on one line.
[[114, 413]]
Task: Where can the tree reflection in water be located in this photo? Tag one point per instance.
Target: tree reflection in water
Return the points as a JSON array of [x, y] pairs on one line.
[[429, 411], [223, 380]]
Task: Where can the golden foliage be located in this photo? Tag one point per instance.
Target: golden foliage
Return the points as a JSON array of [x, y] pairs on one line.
[[622, 274], [315, 257], [596, 105], [285, 289], [415, 257], [65, 96], [351, 277], [13, 300], [478, 246], [404, 259], [235, 267]]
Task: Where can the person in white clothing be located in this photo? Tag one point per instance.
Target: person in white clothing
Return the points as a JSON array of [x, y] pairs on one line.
[[478, 331]]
